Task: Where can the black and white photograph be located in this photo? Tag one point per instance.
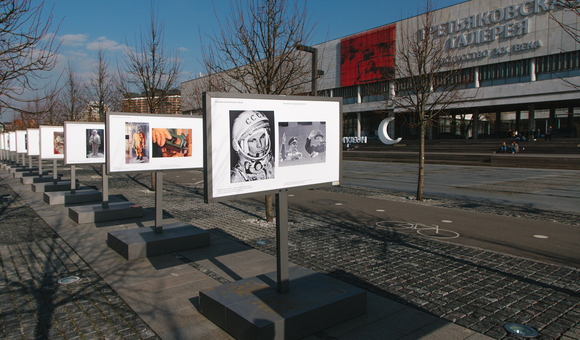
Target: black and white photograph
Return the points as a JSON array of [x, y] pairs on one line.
[[302, 143], [95, 148], [253, 149]]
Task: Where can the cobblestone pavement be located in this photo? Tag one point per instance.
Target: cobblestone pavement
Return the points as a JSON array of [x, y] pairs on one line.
[[475, 288], [33, 305], [481, 290]]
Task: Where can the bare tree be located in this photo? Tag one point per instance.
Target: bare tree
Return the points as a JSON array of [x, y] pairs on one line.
[[43, 109], [427, 85], [72, 97], [150, 68], [27, 48], [254, 50], [102, 88]]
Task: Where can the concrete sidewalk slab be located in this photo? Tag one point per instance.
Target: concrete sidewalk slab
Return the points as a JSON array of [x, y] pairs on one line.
[[228, 261]]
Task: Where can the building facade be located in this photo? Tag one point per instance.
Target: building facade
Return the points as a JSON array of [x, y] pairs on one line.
[[138, 104], [519, 63]]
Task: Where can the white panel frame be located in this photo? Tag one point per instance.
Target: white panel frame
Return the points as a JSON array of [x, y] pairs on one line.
[[47, 139], [218, 144], [76, 143], [118, 142]]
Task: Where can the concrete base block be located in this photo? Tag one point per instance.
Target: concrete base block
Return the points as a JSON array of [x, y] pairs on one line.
[[66, 197], [95, 212], [38, 179], [252, 309], [50, 186], [20, 174], [144, 242], [23, 169]]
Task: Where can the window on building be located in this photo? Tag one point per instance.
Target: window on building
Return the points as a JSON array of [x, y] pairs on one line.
[[375, 92], [510, 72], [349, 94], [558, 65]]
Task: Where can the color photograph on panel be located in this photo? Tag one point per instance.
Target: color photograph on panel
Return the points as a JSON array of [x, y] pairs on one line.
[[136, 145], [171, 142]]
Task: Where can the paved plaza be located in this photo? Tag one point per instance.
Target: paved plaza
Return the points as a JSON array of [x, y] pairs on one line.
[[420, 286]]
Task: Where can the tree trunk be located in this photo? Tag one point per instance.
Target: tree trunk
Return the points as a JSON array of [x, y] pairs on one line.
[[421, 179], [269, 213]]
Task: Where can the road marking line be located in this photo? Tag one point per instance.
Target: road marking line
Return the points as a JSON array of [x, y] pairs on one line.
[[540, 236]]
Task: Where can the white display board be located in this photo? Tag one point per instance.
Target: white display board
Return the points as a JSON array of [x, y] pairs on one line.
[[2, 141], [150, 142], [262, 144], [21, 141], [12, 141], [84, 143], [33, 142], [51, 142]]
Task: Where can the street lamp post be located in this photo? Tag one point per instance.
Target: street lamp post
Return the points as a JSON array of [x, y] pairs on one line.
[[315, 71]]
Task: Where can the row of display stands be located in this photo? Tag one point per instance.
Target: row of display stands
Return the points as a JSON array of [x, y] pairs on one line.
[[291, 303]]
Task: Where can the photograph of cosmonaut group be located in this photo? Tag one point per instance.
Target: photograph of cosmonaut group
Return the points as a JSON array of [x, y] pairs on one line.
[[302, 143], [95, 148], [136, 148], [58, 143], [252, 146]]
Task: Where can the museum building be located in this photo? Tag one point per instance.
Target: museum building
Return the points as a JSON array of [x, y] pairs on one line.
[[518, 63]]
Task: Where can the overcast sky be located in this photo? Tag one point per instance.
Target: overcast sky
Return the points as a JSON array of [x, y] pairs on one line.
[[87, 24]]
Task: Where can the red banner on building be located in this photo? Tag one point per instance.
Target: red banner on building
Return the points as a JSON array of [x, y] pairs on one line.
[[368, 57]]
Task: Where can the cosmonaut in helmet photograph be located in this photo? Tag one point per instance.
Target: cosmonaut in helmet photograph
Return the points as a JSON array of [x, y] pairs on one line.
[[252, 145]]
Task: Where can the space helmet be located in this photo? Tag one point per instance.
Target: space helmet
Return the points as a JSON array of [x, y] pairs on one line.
[[245, 125]]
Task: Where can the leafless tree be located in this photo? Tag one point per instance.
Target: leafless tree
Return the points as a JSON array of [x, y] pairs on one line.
[[72, 98], [43, 109], [102, 88], [151, 68], [427, 83], [27, 48], [254, 50]]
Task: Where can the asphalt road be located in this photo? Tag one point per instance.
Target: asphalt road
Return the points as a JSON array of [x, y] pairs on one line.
[[531, 188]]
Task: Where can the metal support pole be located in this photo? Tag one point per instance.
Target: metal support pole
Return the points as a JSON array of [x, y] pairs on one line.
[[105, 186], [39, 166], [54, 172], [159, 202], [30, 162], [24, 160], [73, 186], [282, 262]]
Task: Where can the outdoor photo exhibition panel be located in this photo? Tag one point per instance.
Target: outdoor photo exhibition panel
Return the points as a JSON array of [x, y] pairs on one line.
[[84, 143], [21, 141], [148, 142], [33, 136], [51, 142], [12, 141], [263, 144]]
